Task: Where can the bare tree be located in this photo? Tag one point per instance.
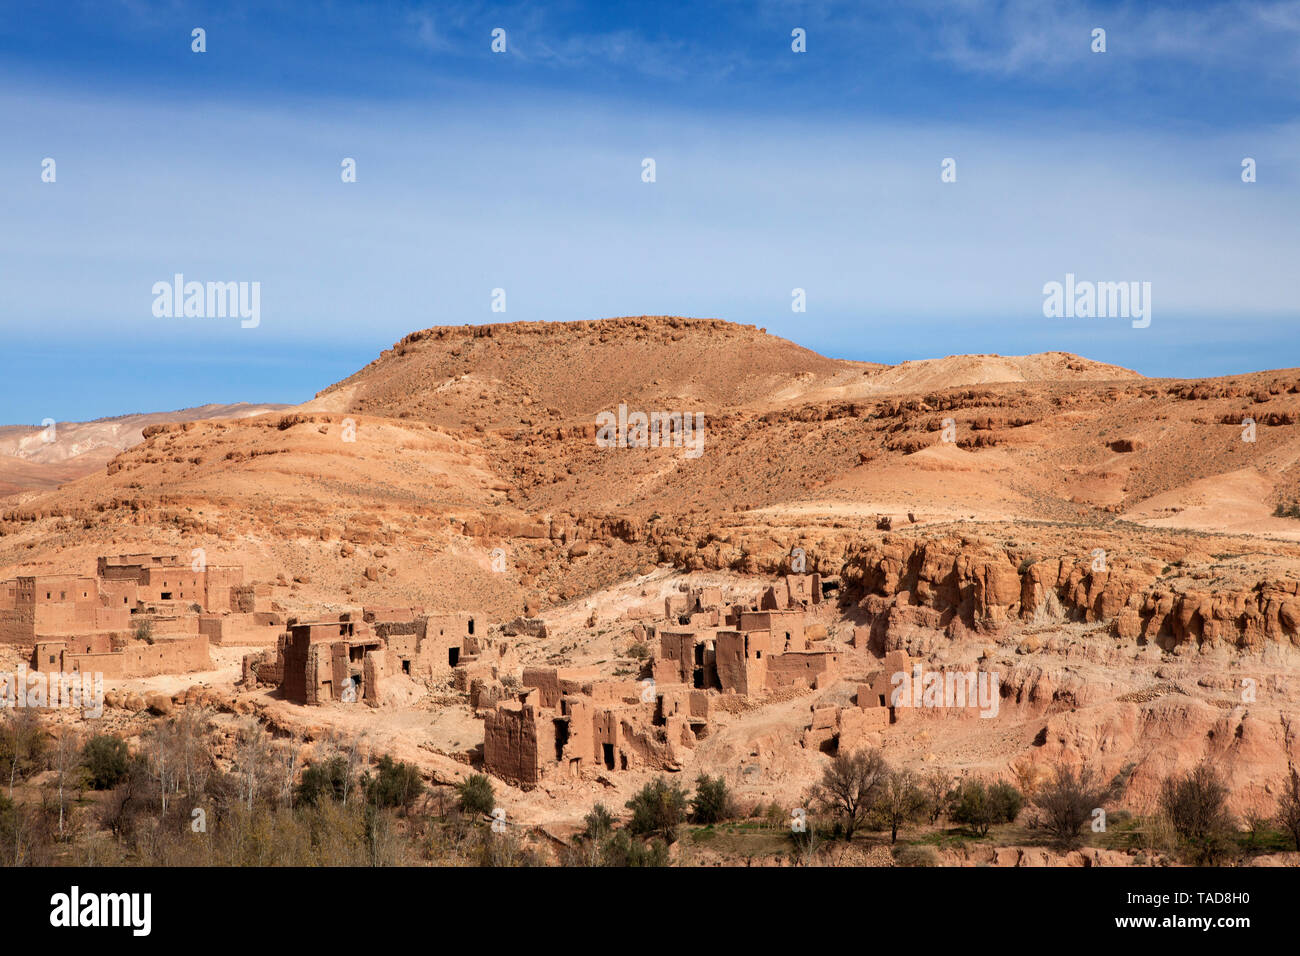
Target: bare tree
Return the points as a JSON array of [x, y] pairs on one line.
[[851, 785], [353, 752], [1288, 810], [193, 755], [1068, 800], [66, 762], [22, 740], [938, 786], [158, 746], [1197, 807], [901, 800], [286, 772], [253, 761]]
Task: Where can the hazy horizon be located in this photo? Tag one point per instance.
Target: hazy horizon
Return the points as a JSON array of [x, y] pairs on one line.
[[523, 171]]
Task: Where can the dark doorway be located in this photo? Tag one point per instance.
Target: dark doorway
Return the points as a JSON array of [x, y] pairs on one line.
[[607, 751], [561, 737], [471, 625], [406, 667], [453, 656]]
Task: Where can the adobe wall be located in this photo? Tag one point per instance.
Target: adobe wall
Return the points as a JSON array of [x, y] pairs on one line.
[[457, 625], [238, 629], [514, 740], [179, 656], [372, 673], [217, 587], [741, 661], [787, 628], [806, 667], [551, 682], [18, 626], [119, 594], [292, 652], [251, 599], [390, 615], [173, 584]]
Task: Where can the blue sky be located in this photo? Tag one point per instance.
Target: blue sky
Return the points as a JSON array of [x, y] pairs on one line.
[[522, 171]]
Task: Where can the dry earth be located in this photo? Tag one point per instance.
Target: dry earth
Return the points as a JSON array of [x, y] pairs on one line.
[[984, 546]]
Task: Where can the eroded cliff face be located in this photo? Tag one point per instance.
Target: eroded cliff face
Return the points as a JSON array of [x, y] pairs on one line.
[[973, 582]]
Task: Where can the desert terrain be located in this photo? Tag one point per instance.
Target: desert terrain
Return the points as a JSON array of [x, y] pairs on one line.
[[1122, 552]]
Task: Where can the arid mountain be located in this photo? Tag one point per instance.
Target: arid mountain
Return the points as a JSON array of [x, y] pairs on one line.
[[477, 434], [36, 458], [1119, 546], [531, 373]]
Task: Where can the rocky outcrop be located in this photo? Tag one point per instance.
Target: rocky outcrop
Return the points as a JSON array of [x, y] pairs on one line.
[[934, 581]]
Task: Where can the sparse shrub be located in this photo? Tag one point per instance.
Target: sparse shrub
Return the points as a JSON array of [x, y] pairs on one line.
[[1067, 801], [23, 742], [1288, 808], [476, 795], [1197, 807], [328, 780], [621, 850], [712, 802], [918, 854], [938, 787], [775, 816], [657, 810], [979, 807], [599, 823], [505, 849], [106, 761], [396, 785], [144, 630]]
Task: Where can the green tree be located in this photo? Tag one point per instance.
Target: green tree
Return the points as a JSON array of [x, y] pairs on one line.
[[712, 801], [599, 823], [476, 795], [658, 809], [327, 780], [1007, 802], [979, 807], [107, 760], [397, 784], [622, 850]]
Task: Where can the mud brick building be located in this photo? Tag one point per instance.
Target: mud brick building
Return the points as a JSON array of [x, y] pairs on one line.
[[53, 605], [346, 660], [566, 723]]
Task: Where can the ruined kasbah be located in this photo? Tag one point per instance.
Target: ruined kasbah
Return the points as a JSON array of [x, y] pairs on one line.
[[757, 680]]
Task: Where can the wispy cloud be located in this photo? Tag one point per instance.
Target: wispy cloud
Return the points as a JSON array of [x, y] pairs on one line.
[[1018, 37]]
